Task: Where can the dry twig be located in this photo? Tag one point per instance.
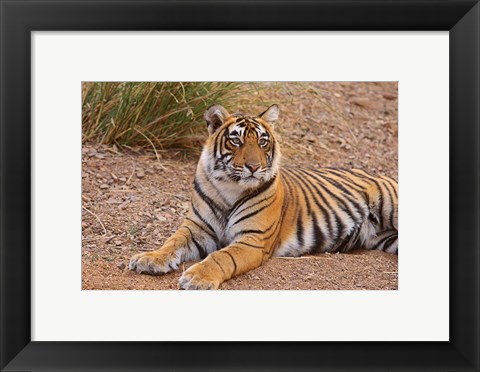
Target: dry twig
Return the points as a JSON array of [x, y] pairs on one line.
[[98, 219]]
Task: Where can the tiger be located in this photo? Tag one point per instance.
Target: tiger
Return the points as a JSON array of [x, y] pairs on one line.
[[246, 208]]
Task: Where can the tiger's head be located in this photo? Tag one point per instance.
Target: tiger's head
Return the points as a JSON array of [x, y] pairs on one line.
[[241, 148]]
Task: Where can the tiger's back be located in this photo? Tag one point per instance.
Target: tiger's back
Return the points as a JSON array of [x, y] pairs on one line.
[[335, 210]]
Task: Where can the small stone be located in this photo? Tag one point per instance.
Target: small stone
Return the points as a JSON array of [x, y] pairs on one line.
[[117, 242], [124, 204], [389, 96], [104, 186], [311, 138], [121, 266], [362, 102], [114, 201], [161, 218], [140, 173]]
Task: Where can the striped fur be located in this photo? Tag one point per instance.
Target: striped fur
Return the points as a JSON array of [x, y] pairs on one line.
[[245, 208]]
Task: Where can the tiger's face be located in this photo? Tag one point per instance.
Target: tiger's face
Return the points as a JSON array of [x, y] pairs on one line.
[[241, 149]]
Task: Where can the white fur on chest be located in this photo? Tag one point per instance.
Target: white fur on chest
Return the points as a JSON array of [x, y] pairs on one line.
[[231, 192]]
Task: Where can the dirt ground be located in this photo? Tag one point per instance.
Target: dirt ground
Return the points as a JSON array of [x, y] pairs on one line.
[[132, 201]]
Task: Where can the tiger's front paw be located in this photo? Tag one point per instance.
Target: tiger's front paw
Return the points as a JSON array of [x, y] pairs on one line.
[[153, 263], [199, 277]]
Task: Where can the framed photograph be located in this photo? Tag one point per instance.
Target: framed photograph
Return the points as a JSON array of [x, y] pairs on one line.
[[114, 112], [138, 202]]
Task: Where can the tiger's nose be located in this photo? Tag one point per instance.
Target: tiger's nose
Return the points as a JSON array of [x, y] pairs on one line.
[[252, 167]]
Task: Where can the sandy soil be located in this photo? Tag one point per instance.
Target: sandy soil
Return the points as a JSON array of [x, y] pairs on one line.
[[132, 201]]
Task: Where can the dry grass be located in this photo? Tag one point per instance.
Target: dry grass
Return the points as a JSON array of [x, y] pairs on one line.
[[161, 115]]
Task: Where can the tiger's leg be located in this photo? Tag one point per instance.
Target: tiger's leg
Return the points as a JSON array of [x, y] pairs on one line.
[[386, 240], [191, 241], [235, 259]]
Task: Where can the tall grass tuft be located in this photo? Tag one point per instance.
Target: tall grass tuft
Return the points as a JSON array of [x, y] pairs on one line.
[[163, 115]]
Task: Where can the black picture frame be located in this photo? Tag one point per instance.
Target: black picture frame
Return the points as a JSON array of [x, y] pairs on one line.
[[18, 18]]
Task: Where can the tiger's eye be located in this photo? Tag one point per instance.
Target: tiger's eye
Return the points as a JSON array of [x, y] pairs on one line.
[[263, 142], [235, 141]]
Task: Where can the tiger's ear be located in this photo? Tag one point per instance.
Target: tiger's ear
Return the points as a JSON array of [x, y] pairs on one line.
[[215, 117], [270, 115]]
